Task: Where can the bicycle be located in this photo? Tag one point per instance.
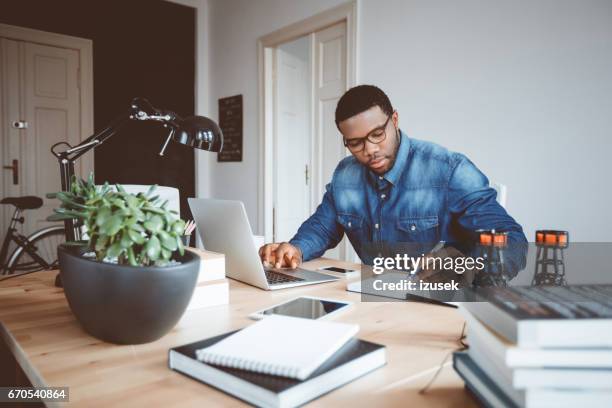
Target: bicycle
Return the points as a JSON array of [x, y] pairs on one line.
[[37, 251]]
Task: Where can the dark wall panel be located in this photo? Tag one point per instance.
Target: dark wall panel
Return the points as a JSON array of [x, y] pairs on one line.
[[141, 48]]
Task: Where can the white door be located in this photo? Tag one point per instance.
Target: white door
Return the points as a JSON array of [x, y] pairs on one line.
[[292, 138], [39, 88], [330, 83]]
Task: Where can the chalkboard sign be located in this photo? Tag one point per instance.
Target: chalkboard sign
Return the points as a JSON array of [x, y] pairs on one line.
[[230, 121]]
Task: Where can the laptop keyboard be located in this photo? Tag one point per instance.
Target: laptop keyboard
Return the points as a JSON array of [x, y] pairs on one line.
[[275, 278]]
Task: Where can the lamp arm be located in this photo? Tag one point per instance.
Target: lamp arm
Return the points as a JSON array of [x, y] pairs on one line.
[[140, 109], [74, 152]]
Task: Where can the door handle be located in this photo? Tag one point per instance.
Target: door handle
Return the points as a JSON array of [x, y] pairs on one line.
[[15, 169], [20, 124]]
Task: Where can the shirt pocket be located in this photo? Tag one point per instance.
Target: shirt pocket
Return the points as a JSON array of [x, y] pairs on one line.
[[354, 227], [350, 222], [418, 229]]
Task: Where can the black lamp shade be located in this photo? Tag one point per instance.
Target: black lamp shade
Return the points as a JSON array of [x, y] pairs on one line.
[[199, 132]]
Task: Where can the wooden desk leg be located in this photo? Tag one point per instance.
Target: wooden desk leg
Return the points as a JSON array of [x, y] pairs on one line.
[[8, 366], [11, 375]]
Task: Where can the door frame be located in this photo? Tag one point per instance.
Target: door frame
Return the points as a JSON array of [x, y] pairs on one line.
[[85, 77], [266, 46]]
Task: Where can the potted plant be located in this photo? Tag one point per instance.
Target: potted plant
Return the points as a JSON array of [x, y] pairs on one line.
[[131, 280]]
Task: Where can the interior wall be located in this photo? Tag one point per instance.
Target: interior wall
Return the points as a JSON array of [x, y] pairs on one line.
[[522, 88], [299, 48], [140, 48], [234, 28]]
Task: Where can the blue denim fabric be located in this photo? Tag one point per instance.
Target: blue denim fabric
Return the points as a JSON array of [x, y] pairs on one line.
[[430, 194]]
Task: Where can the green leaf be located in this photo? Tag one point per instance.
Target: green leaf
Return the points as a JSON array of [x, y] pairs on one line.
[[82, 206], [166, 254], [101, 243], [126, 240], [113, 225], [125, 212], [137, 227], [118, 202], [71, 213], [153, 248], [131, 257], [151, 190], [103, 216], [168, 241], [178, 227], [140, 216], [132, 201], [136, 236], [154, 210], [114, 250], [59, 217], [105, 188], [180, 246], [154, 224], [64, 197]]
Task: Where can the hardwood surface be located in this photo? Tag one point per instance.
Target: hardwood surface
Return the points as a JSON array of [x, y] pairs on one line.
[[53, 350]]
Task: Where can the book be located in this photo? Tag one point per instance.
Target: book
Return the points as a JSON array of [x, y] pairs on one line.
[[355, 359], [494, 393], [511, 355], [483, 388], [539, 377], [212, 265], [548, 317], [582, 378], [210, 293], [280, 345]]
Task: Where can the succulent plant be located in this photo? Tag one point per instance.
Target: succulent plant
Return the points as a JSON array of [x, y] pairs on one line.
[[135, 229]]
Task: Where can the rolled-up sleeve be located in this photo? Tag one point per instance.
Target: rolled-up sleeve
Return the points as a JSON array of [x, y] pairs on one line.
[[472, 202]]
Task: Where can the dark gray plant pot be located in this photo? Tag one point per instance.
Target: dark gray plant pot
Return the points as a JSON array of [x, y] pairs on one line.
[[127, 304]]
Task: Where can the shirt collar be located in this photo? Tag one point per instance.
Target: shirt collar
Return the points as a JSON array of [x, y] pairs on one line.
[[393, 175]]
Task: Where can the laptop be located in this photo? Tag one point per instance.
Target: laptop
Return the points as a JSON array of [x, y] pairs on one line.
[[224, 227]]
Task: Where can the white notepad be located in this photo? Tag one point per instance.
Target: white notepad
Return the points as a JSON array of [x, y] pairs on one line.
[[280, 345]]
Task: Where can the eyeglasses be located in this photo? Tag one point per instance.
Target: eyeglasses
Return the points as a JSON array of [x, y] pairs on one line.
[[376, 136]]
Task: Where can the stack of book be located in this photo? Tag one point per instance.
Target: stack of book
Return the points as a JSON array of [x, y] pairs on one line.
[[212, 288], [539, 353], [279, 361]]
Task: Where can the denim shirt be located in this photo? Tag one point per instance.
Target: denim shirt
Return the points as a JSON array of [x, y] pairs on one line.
[[430, 194]]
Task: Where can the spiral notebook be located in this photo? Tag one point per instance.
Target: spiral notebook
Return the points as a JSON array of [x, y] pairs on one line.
[[280, 345]]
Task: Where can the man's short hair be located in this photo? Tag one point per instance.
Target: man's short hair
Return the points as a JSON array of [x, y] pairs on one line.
[[361, 98]]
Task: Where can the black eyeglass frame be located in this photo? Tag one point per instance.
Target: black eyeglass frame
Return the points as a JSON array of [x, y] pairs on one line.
[[362, 140]]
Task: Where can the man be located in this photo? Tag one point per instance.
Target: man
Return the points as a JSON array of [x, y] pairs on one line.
[[393, 189]]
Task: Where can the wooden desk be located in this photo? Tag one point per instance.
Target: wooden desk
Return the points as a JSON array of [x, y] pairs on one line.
[[53, 350]]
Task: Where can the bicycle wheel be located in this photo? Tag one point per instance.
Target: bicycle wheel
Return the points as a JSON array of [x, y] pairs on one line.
[[45, 242]]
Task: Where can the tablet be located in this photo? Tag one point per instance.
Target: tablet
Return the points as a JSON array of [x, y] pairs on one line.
[[306, 307]]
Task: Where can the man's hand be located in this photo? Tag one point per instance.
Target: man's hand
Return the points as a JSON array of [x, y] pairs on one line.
[[280, 255]]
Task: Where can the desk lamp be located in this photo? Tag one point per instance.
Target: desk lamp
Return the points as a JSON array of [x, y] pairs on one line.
[[195, 131]]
